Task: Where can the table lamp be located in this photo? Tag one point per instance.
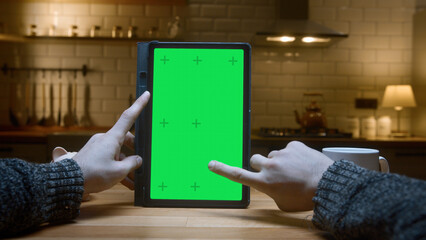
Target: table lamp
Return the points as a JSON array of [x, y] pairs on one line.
[[398, 97]]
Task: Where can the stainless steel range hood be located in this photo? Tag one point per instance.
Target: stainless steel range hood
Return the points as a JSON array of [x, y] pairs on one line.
[[293, 28]]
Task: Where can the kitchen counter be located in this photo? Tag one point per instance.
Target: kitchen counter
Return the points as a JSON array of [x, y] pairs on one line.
[[38, 134], [111, 214], [418, 142], [405, 155]]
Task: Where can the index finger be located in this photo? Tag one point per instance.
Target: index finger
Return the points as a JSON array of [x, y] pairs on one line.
[[235, 174], [128, 117]]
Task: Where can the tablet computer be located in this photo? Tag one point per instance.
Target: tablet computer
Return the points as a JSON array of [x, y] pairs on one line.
[[199, 111]]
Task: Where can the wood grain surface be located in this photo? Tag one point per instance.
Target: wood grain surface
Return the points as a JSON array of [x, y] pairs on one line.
[[111, 214]]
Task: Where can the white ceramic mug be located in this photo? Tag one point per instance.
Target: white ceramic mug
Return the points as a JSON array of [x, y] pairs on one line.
[[364, 157]]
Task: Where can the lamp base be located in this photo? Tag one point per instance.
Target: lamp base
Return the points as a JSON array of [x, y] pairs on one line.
[[400, 134]]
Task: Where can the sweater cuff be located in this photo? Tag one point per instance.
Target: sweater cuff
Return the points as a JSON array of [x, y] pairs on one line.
[[64, 189], [335, 189]]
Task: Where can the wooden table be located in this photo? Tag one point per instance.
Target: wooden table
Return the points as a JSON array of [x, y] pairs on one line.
[[111, 214]]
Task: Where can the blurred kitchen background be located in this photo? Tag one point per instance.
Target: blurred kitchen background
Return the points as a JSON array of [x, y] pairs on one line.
[[76, 60]]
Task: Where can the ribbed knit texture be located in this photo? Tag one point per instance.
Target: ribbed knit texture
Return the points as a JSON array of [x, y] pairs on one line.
[[32, 194], [354, 203]]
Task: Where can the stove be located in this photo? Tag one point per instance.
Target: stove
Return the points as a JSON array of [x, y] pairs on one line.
[[301, 132]]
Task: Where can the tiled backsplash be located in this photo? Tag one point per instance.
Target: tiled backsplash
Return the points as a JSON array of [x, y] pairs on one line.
[[377, 53]]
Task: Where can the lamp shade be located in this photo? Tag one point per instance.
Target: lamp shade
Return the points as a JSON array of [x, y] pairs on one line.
[[398, 96]]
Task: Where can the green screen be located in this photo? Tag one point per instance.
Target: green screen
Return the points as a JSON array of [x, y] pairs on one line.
[[197, 116]]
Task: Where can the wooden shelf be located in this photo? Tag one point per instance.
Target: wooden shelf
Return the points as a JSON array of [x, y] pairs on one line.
[[97, 39], [25, 39], [17, 38], [11, 38], [153, 2]]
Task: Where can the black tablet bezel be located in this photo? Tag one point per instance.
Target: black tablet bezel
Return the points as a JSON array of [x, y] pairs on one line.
[[147, 129]]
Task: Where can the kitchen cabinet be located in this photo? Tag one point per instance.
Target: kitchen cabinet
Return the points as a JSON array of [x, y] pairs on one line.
[[33, 152], [154, 2], [35, 144], [151, 2], [407, 161], [30, 146]]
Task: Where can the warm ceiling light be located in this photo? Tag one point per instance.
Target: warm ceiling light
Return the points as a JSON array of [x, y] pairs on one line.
[[281, 39], [315, 39]]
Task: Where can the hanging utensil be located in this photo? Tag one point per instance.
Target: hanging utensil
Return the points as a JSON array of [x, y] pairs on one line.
[[60, 104], [50, 121], [74, 103], [86, 120], [12, 105], [25, 99], [33, 119], [19, 109], [27, 102], [68, 119], [43, 101]]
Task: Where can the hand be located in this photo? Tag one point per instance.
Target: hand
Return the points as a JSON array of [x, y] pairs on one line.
[[59, 154], [289, 176], [100, 159]]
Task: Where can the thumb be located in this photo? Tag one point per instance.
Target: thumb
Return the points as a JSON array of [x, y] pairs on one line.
[[130, 163]]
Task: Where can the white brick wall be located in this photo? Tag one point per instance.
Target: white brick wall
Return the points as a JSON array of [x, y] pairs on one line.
[[377, 14], [74, 62], [76, 9], [377, 53], [158, 11], [213, 11], [102, 9], [89, 50], [280, 81]]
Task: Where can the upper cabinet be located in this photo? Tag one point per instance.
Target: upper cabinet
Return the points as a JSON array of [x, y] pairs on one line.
[[91, 20], [151, 2]]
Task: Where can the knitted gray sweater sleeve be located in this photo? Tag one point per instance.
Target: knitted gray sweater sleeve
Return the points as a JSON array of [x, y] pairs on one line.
[[354, 203], [32, 194]]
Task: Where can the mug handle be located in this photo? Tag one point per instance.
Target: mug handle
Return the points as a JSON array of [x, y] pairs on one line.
[[384, 165]]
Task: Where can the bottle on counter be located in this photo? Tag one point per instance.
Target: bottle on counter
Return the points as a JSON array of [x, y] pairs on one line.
[[52, 30], [384, 124], [368, 127], [352, 126], [72, 31], [32, 30], [152, 32], [131, 32], [94, 31], [117, 32]]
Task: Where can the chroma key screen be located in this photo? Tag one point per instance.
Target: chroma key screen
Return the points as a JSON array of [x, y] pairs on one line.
[[197, 116]]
